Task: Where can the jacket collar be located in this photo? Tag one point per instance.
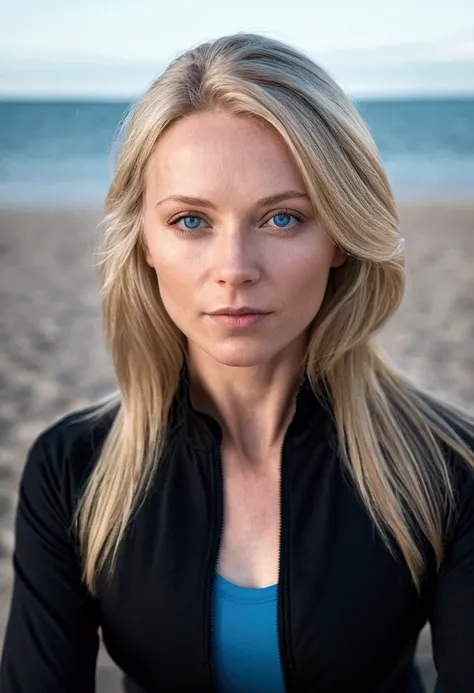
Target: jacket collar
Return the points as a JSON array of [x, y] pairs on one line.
[[313, 416]]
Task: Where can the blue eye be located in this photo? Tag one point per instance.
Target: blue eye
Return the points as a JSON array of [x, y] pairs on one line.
[[193, 222], [190, 222], [282, 221]]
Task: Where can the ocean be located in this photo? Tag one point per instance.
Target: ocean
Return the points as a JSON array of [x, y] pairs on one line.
[[62, 153]]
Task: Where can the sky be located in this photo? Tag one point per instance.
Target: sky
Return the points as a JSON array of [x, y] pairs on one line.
[[115, 48]]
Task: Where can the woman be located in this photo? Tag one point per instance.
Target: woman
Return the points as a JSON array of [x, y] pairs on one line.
[[267, 505]]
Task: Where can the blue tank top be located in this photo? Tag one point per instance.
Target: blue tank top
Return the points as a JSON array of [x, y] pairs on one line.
[[244, 639]]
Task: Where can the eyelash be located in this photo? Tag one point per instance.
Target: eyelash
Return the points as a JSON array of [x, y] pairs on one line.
[[190, 232]]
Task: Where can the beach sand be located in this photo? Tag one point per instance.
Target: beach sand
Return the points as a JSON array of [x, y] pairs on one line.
[[53, 360]]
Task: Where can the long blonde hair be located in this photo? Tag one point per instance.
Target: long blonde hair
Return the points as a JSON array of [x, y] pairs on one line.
[[390, 433]]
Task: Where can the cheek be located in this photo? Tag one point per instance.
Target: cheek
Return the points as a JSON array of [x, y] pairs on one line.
[[174, 264], [177, 284], [303, 278], [174, 280]]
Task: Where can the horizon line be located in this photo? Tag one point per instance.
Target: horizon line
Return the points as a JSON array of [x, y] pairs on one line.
[[132, 98]]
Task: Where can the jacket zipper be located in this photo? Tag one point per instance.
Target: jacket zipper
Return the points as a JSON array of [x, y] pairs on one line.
[[286, 664], [284, 649], [214, 564]]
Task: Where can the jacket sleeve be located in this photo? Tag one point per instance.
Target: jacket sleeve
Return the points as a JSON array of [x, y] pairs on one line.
[[51, 641], [452, 612]]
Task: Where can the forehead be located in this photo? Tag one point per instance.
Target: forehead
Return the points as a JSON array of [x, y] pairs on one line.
[[220, 150]]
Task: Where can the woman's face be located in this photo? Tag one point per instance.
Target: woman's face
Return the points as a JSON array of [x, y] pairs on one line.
[[228, 227]]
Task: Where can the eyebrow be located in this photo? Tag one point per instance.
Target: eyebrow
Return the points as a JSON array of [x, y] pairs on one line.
[[263, 202]]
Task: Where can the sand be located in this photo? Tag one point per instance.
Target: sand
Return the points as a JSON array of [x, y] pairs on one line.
[[52, 358]]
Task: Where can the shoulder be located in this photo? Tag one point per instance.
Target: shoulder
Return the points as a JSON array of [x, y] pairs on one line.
[[63, 455], [461, 468], [458, 424], [446, 422], [459, 456], [430, 419], [79, 434]]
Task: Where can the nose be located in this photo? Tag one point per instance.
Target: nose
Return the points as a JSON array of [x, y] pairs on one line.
[[235, 260]]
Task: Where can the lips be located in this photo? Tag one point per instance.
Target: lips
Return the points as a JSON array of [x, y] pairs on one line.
[[238, 318], [244, 310]]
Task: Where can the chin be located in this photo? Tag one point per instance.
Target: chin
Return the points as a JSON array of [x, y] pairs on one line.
[[241, 356]]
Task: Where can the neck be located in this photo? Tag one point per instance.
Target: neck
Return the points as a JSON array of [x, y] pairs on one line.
[[253, 405]]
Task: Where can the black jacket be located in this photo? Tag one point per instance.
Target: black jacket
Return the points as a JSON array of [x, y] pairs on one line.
[[348, 613]]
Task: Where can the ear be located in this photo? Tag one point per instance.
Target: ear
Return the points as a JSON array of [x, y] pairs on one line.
[[145, 251], [148, 259], [339, 258]]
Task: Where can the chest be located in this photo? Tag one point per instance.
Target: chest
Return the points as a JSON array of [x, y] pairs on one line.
[[341, 595], [250, 544]]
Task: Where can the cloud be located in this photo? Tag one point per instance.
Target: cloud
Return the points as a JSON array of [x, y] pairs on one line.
[[442, 67], [76, 79]]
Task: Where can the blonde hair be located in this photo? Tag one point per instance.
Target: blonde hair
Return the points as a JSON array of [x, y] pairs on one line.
[[391, 435]]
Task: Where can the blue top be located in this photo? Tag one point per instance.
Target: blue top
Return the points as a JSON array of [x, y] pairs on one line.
[[244, 639]]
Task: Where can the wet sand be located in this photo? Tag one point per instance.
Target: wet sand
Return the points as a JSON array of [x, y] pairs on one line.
[[53, 361]]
